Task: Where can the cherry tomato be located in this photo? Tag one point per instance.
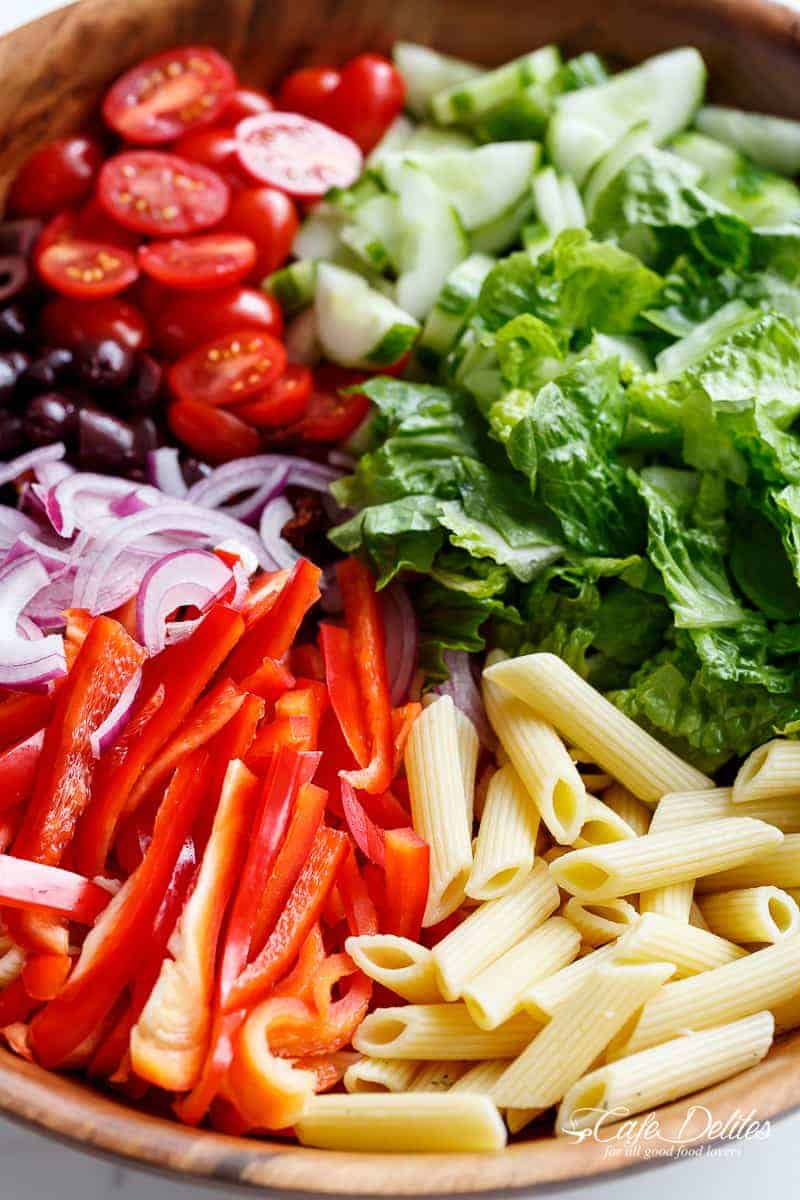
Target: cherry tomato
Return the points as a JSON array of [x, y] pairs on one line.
[[297, 155], [93, 223], [245, 102], [214, 148], [65, 322], [161, 194], [187, 321], [211, 433], [269, 218], [283, 403], [229, 368], [59, 174], [370, 95], [152, 298], [207, 261], [332, 413], [164, 96], [87, 270], [308, 91]]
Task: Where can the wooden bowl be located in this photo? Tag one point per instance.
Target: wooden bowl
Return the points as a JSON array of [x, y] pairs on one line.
[[52, 73]]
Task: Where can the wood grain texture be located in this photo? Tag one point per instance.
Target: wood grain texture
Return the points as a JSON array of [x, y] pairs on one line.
[[52, 73]]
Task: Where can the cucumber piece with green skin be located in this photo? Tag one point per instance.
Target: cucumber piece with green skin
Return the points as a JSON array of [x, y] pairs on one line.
[[584, 70], [772, 142], [523, 117], [451, 310], [759, 196], [558, 202], [664, 92], [340, 203], [374, 233], [397, 137], [630, 146], [426, 72], [357, 326], [432, 240], [318, 236], [465, 102], [428, 139], [293, 286], [505, 231], [301, 338]]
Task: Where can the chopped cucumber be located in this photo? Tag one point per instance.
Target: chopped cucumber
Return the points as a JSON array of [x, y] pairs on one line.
[[505, 231], [584, 70], [630, 146], [480, 184], [293, 286], [429, 138], [536, 239], [339, 203], [432, 242], [373, 234], [572, 203], [464, 103], [523, 117], [301, 338], [427, 72], [664, 91], [713, 160], [758, 196], [397, 137], [559, 205], [449, 314], [772, 142], [356, 325], [318, 236]]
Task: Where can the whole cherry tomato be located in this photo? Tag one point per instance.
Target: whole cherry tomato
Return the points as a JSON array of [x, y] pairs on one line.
[[284, 402], [55, 176], [215, 148], [370, 94], [65, 322], [229, 368], [212, 433], [245, 102], [269, 218], [186, 321], [308, 91]]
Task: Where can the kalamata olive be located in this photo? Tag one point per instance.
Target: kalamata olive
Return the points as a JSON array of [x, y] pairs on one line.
[[19, 237], [12, 437], [47, 368], [51, 417], [144, 385], [191, 470], [14, 275], [105, 443], [102, 363], [146, 437], [12, 365], [15, 323]]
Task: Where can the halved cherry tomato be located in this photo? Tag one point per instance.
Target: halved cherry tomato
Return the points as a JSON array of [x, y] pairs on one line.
[[207, 261], [93, 223], [332, 413], [188, 321], [370, 95], [152, 298], [269, 217], [161, 194], [245, 102], [212, 433], [82, 268], [214, 148], [301, 157], [229, 369], [56, 175], [284, 402], [164, 96], [308, 91], [66, 322]]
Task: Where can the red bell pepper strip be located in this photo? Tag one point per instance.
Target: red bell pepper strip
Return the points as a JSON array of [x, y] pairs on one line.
[[126, 615], [10, 822], [402, 721], [368, 836], [407, 865], [18, 765], [21, 715], [118, 944], [293, 733], [232, 741], [302, 910], [369, 652], [15, 1003], [183, 671], [44, 975], [25, 884], [308, 661], [343, 686], [271, 635], [308, 698], [358, 906], [386, 810], [269, 680], [264, 591]]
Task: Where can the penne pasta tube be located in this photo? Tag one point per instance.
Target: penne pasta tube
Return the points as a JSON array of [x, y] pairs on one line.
[[559, 695], [696, 918], [577, 1033], [767, 978], [492, 929], [406, 1123], [545, 998], [695, 808], [518, 1118], [439, 1031], [757, 914], [787, 1015], [403, 966], [602, 922], [663, 1073], [437, 1076], [468, 747], [506, 842], [541, 761], [778, 865], [655, 938], [439, 806], [602, 825], [380, 1075], [482, 1077], [495, 994], [673, 901], [771, 770], [634, 813], [603, 872]]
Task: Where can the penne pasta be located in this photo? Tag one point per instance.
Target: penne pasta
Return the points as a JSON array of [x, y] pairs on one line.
[[506, 842], [559, 695], [439, 1031], [757, 914], [543, 999], [492, 929], [603, 872], [579, 1030], [437, 1076], [601, 922], [410, 1122], [495, 994], [468, 747], [696, 918], [402, 966], [602, 825], [655, 938], [541, 761], [439, 805], [663, 1073], [778, 865], [767, 978], [380, 1075], [771, 770], [695, 808], [634, 813], [482, 1077]]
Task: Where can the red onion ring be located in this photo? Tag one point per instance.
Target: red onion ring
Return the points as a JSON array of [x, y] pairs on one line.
[[187, 577], [402, 638], [29, 461], [24, 663], [164, 471], [275, 515], [109, 730], [463, 690]]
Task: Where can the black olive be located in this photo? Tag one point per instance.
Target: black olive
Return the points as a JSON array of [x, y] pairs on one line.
[[47, 369], [102, 363], [19, 237], [146, 438], [12, 437], [105, 442], [15, 324], [13, 364], [51, 417], [14, 275], [144, 385]]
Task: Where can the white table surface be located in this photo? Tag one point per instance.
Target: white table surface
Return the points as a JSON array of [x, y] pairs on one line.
[[35, 1168]]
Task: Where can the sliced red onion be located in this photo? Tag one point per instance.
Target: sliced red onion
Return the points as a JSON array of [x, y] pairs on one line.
[[28, 629], [80, 499], [136, 501], [13, 523], [330, 592], [109, 730], [191, 577], [164, 471], [273, 519], [338, 458], [267, 473], [463, 689], [400, 625], [28, 462], [25, 663], [50, 473], [52, 557]]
